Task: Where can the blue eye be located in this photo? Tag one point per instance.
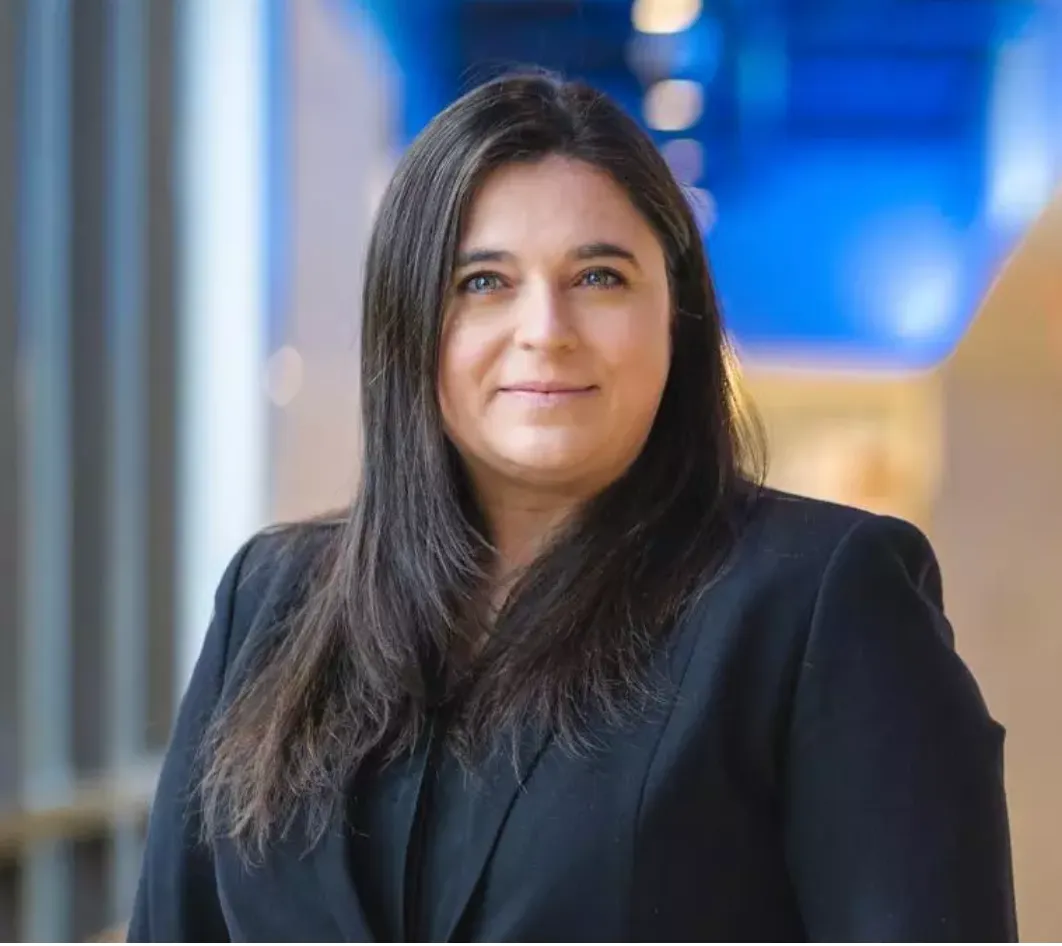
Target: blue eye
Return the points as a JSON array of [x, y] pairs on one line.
[[482, 283], [601, 279]]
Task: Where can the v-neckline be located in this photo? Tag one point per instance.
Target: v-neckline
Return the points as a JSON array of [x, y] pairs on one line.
[[412, 821]]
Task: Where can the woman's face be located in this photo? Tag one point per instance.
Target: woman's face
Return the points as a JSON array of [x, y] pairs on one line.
[[556, 341]]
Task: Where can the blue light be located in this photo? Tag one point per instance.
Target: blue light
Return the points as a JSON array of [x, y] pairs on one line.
[[863, 251]]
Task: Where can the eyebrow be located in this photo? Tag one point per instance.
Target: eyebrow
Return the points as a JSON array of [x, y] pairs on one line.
[[588, 251], [604, 251], [468, 257]]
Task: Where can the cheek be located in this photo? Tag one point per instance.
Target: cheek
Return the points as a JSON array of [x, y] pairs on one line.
[[639, 350], [464, 362]]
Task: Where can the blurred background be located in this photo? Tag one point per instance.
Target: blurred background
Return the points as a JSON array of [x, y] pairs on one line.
[[186, 191]]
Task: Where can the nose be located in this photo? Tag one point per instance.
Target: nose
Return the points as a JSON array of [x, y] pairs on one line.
[[543, 321]]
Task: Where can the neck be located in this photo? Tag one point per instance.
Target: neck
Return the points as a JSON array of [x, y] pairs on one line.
[[522, 523]]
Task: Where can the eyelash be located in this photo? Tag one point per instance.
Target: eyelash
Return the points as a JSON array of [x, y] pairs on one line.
[[466, 284], [614, 280]]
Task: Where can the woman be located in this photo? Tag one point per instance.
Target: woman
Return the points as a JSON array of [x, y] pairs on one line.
[[563, 673]]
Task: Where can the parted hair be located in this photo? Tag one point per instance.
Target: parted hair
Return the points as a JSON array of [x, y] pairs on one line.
[[383, 635]]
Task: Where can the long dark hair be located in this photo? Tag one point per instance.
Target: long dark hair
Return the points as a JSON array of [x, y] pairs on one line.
[[396, 594]]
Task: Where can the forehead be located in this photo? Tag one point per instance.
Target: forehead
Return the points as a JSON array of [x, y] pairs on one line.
[[552, 202]]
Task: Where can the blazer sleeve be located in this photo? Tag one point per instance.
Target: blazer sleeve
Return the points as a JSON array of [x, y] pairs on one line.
[[177, 899], [896, 817]]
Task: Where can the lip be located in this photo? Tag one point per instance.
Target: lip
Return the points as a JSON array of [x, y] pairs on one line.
[[548, 387], [545, 395]]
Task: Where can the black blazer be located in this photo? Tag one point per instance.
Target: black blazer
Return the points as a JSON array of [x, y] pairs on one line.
[[822, 767]]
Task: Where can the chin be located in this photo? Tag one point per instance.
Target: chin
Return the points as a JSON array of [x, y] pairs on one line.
[[547, 465]]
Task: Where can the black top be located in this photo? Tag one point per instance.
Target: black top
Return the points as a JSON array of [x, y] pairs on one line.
[[822, 767]]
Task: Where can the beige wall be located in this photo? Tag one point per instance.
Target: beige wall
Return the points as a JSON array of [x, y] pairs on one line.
[[869, 440], [997, 526], [340, 143]]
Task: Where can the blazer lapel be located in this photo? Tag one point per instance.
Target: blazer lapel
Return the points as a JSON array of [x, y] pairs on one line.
[[500, 785], [393, 819], [338, 890], [497, 789], [411, 829]]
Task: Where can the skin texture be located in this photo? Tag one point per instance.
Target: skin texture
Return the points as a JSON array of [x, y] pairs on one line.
[[560, 284]]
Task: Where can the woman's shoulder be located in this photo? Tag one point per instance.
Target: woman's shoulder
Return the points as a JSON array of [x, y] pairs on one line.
[[283, 552], [815, 592], [269, 576], [796, 543], [787, 525]]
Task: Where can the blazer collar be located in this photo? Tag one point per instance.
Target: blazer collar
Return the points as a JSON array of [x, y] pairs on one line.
[[500, 784]]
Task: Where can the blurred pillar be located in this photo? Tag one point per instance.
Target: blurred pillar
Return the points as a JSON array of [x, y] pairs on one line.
[[11, 14], [91, 433], [158, 686], [127, 396], [222, 438], [45, 521], [87, 251], [90, 422]]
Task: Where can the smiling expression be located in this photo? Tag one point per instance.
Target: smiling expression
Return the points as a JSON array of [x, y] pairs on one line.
[[556, 341]]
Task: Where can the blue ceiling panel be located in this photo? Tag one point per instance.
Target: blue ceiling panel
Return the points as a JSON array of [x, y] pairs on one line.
[[858, 151]]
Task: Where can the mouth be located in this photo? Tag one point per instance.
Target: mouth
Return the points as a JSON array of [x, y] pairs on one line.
[[549, 394]]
